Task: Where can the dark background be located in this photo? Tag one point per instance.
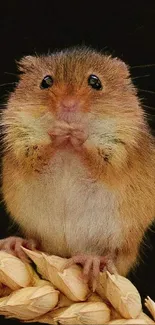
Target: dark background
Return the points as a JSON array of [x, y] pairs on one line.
[[125, 29]]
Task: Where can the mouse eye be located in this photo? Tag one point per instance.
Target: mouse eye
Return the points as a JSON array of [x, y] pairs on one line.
[[94, 82], [46, 82]]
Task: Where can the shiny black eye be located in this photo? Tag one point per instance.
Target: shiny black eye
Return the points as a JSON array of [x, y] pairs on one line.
[[94, 82], [46, 82]]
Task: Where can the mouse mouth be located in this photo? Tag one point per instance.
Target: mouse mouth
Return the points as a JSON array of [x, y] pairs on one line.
[[70, 117], [69, 110]]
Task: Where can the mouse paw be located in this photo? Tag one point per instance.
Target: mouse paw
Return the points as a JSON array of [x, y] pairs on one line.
[[92, 266], [78, 136], [12, 245], [60, 132]]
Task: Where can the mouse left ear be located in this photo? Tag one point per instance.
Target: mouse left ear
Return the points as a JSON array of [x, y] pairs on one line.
[[122, 67], [27, 63]]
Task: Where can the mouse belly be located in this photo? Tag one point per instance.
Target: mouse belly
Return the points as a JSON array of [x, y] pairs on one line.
[[68, 215], [66, 210]]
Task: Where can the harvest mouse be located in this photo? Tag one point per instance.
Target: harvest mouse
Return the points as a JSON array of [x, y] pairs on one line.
[[79, 161]]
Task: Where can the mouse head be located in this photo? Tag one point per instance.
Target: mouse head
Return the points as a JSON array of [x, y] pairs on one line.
[[80, 85], [75, 81]]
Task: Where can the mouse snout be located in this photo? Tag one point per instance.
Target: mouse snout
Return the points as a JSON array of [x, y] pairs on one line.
[[69, 105]]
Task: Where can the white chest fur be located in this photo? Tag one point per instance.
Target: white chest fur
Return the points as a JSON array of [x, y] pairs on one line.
[[69, 211]]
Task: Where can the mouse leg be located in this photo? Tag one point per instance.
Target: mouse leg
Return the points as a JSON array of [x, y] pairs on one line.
[[92, 266], [12, 245]]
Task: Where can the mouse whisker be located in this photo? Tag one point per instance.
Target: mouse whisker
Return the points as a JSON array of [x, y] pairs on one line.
[[23, 104], [150, 107], [138, 77], [10, 73], [9, 83], [143, 66], [147, 91]]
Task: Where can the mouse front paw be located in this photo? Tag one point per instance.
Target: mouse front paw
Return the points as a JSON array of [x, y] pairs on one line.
[[60, 133], [63, 132], [78, 136], [12, 245]]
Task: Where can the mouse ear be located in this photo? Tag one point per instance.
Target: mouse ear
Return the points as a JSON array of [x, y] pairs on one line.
[[122, 67], [27, 63]]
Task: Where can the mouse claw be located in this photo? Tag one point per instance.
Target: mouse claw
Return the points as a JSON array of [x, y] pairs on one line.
[[92, 266], [94, 284], [13, 245], [66, 265]]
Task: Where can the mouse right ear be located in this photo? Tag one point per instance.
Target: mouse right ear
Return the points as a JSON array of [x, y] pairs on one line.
[[27, 63]]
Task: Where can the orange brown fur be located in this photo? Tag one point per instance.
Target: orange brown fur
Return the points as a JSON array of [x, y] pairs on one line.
[[116, 162]]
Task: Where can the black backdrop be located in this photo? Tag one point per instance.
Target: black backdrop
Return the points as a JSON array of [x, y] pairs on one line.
[[125, 29]]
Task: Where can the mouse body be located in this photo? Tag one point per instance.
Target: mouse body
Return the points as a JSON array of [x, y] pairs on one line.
[[78, 162]]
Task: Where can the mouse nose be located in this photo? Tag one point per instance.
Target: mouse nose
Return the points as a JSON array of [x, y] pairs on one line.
[[69, 105]]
